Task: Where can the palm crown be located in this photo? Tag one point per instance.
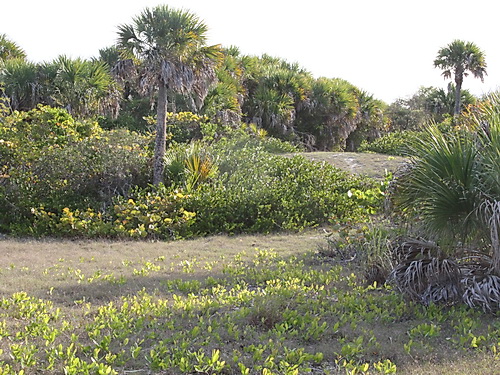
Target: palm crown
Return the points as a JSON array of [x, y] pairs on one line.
[[163, 33]]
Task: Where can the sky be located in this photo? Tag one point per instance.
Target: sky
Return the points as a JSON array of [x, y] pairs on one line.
[[385, 47]]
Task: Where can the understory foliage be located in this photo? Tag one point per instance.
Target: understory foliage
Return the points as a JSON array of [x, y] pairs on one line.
[[393, 143], [66, 177], [145, 213], [259, 192], [51, 161]]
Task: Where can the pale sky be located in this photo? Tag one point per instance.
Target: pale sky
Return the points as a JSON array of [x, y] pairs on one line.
[[385, 47]]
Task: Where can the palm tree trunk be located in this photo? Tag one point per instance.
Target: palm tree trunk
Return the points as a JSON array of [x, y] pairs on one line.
[[458, 95], [161, 136]]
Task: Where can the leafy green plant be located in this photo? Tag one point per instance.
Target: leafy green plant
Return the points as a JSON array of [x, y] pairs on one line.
[[441, 185], [250, 194], [394, 143], [188, 166], [156, 213]]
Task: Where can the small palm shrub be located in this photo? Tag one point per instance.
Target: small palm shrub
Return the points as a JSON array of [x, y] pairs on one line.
[[452, 191], [188, 166], [440, 188]]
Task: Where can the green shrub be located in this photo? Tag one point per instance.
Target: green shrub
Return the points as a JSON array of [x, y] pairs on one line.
[[43, 127], [88, 173], [395, 143], [260, 192], [240, 139], [147, 213]]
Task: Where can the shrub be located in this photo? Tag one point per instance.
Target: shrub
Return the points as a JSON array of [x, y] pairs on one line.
[[242, 138], [88, 173], [45, 126], [147, 213], [395, 143], [259, 192], [184, 126]]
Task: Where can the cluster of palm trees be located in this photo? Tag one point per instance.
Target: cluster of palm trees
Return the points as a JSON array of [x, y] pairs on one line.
[[83, 87], [163, 54]]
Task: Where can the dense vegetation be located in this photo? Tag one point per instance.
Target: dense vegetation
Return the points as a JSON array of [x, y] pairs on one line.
[[89, 149], [66, 177]]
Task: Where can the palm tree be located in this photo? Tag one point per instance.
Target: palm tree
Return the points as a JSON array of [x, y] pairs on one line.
[[170, 45], [457, 59], [83, 87], [439, 103], [10, 50], [19, 79], [331, 113]]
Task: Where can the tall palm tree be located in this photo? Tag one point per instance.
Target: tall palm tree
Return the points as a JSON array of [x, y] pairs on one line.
[[170, 45], [458, 59]]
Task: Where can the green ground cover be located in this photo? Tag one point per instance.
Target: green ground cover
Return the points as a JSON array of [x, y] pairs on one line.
[[221, 305]]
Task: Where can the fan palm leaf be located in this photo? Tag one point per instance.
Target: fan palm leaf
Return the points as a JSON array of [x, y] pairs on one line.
[[441, 186]]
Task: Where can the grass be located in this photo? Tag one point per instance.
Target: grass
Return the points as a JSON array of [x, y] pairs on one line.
[[220, 305]]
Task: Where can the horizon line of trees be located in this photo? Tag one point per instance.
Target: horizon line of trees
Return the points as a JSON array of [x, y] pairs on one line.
[[150, 72]]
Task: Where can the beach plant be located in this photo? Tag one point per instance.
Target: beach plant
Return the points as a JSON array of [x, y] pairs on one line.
[[451, 192]]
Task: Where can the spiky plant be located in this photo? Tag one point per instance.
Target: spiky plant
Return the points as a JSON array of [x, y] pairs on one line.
[[20, 83], [10, 50], [441, 188], [188, 166], [453, 187]]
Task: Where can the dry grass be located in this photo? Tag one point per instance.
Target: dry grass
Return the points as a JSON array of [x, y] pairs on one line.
[[62, 272], [43, 267], [370, 164], [477, 365]]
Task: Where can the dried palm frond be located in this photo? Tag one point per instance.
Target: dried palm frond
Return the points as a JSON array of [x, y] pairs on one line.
[[491, 212], [475, 263], [406, 248], [124, 69], [428, 280], [483, 292], [448, 293]]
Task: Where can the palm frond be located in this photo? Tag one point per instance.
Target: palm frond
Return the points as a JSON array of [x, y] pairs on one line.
[[482, 292]]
